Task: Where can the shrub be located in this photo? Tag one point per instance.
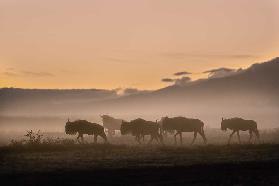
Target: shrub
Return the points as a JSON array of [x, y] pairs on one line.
[[34, 138]]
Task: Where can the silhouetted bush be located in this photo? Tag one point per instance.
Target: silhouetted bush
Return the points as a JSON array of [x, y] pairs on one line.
[[35, 139]]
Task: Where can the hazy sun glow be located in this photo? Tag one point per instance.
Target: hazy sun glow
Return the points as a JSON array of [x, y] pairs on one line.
[[124, 43]]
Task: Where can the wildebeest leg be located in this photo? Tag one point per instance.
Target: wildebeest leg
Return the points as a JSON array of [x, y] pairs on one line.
[[80, 136], [95, 138], [138, 139], [103, 135], [141, 137], [231, 136], [195, 136], [251, 134], [82, 139], [257, 134], [151, 139], [161, 138], [78, 139], [164, 134], [238, 136], [109, 133], [180, 135], [175, 142], [157, 136], [203, 136]]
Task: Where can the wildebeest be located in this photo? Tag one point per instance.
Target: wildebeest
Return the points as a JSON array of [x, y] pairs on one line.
[[85, 127], [182, 124], [237, 124], [139, 128], [111, 124]]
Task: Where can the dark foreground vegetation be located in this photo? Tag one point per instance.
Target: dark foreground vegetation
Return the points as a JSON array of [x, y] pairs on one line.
[[98, 164]]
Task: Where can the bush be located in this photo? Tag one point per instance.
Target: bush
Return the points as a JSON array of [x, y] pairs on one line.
[[36, 139]]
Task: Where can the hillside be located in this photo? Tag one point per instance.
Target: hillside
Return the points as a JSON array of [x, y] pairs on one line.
[[259, 84], [253, 92]]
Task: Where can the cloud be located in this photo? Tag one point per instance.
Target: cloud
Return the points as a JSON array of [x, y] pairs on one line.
[[129, 91], [168, 80], [182, 73], [178, 81], [13, 73], [181, 55], [36, 74], [117, 60], [221, 72], [10, 69], [182, 81]]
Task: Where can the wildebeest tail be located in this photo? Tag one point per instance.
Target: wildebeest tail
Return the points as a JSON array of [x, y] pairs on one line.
[[257, 133], [160, 133], [160, 130], [202, 129]]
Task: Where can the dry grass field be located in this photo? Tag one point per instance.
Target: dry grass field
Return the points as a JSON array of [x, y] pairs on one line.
[[99, 164]]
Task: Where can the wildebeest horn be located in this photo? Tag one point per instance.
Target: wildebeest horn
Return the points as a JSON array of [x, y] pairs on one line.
[[222, 119], [68, 120]]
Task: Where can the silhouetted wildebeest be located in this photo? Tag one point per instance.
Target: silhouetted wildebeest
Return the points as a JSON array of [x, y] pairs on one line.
[[237, 124], [111, 124], [85, 127], [182, 124], [139, 128]]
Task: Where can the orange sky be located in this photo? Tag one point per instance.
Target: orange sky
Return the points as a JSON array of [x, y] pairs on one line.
[[130, 43]]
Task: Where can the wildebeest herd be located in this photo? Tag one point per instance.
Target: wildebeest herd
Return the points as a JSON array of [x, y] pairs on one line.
[[139, 128]]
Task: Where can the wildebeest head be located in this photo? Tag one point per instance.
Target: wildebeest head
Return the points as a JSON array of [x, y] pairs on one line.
[[70, 128], [125, 128], [223, 125]]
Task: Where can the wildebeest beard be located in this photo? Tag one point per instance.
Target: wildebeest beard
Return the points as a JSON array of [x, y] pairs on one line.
[[223, 126]]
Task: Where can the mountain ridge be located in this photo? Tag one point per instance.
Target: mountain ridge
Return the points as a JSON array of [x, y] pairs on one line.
[[255, 86]]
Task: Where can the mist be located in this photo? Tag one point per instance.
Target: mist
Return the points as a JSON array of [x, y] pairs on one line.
[[251, 93]]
